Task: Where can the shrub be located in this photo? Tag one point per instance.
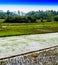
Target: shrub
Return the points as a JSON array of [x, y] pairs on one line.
[[56, 18]]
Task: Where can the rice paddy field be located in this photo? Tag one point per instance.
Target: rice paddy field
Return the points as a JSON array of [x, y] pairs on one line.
[[17, 38], [20, 44], [15, 29]]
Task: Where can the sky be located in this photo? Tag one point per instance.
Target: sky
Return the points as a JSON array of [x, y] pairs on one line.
[[28, 5]]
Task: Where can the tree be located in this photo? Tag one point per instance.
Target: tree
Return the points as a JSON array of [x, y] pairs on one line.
[[18, 12], [8, 13]]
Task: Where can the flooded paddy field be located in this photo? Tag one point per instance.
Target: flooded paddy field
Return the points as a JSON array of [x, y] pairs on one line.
[[20, 44]]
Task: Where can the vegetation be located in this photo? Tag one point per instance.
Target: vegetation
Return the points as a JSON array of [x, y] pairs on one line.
[[56, 18], [20, 19], [30, 17], [8, 29], [33, 22]]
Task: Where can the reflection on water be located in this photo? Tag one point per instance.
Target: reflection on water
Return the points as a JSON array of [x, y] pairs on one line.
[[21, 44]]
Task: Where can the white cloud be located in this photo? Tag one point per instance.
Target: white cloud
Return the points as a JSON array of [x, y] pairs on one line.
[[26, 8]]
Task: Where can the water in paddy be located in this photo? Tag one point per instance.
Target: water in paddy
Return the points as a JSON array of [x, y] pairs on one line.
[[21, 44]]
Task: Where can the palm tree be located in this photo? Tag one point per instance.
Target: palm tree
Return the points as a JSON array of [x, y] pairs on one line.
[[18, 12], [8, 12]]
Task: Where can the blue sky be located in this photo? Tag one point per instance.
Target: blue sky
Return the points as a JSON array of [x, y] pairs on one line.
[[28, 5], [34, 2]]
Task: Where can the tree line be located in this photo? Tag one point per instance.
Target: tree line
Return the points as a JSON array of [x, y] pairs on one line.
[[30, 17]]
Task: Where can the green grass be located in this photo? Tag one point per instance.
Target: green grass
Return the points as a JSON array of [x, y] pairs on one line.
[[10, 29]]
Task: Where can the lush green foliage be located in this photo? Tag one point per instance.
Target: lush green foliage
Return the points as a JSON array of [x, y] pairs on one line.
[[32, 16], [4, 15], [20, 19], [45, 15], [56, 18]]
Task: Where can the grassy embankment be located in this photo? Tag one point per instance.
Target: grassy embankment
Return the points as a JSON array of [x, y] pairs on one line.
[[9, 29]]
